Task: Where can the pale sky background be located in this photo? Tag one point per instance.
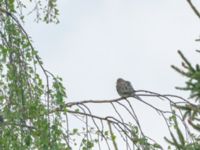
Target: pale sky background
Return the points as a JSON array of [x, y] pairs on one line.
[[98, 41]]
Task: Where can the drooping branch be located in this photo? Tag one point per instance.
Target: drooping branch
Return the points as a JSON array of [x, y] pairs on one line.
[[121, 126]]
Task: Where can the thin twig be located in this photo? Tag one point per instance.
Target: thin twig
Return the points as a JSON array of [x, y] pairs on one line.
[[194, 8]]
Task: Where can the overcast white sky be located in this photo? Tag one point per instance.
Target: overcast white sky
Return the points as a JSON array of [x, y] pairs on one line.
[[98, 41]]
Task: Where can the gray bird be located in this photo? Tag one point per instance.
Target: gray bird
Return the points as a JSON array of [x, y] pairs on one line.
[[124, 88]]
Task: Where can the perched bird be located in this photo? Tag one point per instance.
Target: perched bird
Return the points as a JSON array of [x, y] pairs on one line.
[[124, 88]]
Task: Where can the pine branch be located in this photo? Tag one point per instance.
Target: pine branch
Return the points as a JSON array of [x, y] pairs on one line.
[[186, 61], [194, 8]]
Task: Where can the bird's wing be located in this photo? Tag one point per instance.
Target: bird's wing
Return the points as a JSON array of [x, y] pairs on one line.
[[130, 86]]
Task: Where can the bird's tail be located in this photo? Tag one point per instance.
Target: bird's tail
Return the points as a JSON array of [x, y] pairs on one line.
[[135, 96]]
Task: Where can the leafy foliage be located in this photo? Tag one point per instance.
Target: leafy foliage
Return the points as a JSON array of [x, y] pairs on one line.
[[24, 99]]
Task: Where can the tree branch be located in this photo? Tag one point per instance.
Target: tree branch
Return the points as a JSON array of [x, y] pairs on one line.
[[194, 8]]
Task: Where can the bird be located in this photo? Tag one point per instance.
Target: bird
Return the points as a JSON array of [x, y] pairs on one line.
[[124, 88]]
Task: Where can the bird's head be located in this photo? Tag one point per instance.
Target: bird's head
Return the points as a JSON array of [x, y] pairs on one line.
[[120, 80]]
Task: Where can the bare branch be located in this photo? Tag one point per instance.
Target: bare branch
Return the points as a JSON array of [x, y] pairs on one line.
[[194, 8]]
